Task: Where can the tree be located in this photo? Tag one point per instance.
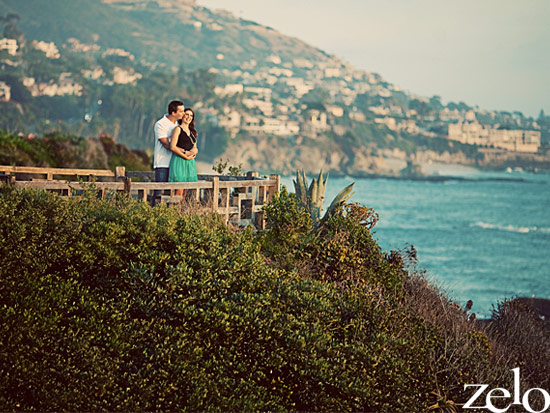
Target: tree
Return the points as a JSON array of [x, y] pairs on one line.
[[435, 103], [212, 140], [10, 26], [316, 98]]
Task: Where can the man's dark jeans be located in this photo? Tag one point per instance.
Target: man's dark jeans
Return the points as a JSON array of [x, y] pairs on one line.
[[161, 175]]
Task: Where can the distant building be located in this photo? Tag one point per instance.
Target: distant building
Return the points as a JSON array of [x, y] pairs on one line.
[[316, 121], [10, 45], [229, 89], [123, 76], [50, 49], [118, 52], [280, 127], [5, 92], [516, 140], [93, 73], [300, 86], [76, 46], [332, 72], [251, 124], [266, 107], [231, 121], [280, 72], [358, 116], [64, 86], [263, 92], [335, 110], [389, 122], [274, 59]]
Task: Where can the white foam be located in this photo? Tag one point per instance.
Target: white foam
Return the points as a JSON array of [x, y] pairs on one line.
[[511, 228]]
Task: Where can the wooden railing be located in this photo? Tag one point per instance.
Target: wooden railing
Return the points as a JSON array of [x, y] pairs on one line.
[[239, 199]]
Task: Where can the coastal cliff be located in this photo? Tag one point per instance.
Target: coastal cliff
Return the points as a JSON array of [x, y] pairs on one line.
[[285, 156]]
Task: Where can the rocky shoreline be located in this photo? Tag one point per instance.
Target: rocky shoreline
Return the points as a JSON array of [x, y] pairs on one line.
[[284, 156]]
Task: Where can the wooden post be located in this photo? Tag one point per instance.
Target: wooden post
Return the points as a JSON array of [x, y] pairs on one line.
[[127, 186], [215, 193], [49, 176], [7, 179], [225, 201], [120, 173]]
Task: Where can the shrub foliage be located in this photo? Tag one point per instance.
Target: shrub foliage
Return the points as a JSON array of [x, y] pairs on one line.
[[114, 305]]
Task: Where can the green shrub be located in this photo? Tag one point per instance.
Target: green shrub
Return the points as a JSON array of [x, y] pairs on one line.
[[61, 150], [114, 305]]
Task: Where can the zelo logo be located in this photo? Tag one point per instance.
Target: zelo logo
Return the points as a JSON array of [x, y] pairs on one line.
[[500, 393]]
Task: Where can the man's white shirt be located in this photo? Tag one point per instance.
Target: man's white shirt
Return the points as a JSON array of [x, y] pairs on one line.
[[163, 129]]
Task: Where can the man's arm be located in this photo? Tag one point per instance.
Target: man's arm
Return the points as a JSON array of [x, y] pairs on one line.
[[164, 142], [161, 133]]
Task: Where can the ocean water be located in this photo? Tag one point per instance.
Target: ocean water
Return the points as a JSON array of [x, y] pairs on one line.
[[485, 237]]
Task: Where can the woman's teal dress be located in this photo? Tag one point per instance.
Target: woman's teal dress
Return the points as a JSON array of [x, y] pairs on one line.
[[183, 170]]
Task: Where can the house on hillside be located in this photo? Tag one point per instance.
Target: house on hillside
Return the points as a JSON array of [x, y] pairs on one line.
[[10, 45], [516, 140], [49, 48], [5, 92]]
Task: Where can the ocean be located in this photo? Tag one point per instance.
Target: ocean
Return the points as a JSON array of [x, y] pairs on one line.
[[484, 236]]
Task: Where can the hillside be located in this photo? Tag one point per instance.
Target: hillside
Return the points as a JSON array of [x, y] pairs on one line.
[[59, 150], [94, 67], [163, 33]]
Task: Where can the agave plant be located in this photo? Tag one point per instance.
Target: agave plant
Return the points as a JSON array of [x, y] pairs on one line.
[[312, 198]]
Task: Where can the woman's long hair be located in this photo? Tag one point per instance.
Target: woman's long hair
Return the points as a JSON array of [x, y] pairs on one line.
[[192, 124]]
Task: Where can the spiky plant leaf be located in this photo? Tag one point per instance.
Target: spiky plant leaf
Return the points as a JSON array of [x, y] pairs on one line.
[[339, 199], [300, 187], [314, 194]]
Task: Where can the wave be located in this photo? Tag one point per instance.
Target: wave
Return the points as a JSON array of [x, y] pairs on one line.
[[511, 228]]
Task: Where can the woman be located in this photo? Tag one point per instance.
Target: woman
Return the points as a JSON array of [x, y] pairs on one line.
[[184, 147]]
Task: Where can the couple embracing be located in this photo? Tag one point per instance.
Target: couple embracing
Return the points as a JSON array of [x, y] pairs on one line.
[[175, 147]]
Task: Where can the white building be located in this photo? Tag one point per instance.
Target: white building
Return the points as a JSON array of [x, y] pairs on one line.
[[300, 86], [64, 86], [280, 126], [274, 59], [230, 120], [266, 107], [10, 45], [229, 89], [5, 92], [335, 110], [93, 73], [50, 49], [516, 140], [332, 72], [123, 76], [263, 92], [317, 120], [118, 52], [251, 123], [389, 122]]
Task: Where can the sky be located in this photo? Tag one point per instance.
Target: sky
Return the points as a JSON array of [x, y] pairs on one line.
[[494, 54]]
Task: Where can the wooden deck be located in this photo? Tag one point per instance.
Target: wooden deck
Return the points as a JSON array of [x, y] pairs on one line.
[[239, 200]]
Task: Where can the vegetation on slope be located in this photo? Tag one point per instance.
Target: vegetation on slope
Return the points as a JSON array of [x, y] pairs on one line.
[[60, 150], [115, 305]]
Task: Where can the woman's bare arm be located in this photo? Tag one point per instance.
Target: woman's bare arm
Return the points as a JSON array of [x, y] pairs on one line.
[[176, 149]]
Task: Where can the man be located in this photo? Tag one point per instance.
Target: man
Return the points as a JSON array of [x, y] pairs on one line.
[[163, 132]]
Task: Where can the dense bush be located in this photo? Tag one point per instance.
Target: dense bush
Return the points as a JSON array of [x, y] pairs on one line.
[[342, 249], [114, 305], [60, 150]]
